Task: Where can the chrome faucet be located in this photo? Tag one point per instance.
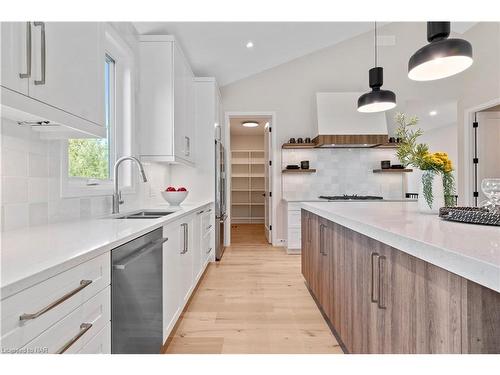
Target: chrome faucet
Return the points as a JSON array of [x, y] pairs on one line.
[[117, 195]]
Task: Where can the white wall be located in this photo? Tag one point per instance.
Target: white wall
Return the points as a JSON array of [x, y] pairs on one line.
[[442, 139], [481, 85], [247, 142], [289, 89]]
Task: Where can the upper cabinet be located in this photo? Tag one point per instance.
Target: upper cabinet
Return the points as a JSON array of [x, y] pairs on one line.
[[167, 101], [54, 71]]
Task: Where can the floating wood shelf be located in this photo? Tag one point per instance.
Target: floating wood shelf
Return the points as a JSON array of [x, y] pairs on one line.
[[298, 145], [298, 171], [392, 170], [388, 145]]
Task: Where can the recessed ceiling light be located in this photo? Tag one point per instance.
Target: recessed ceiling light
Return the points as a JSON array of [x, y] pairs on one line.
[[250, 124], [249, 44], [433, 113]]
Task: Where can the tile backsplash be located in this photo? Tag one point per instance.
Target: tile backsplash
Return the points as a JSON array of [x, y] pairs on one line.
[[341, 171], [31, 181]]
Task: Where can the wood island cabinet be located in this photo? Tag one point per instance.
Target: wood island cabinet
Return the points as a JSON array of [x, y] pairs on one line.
[[379, 299]]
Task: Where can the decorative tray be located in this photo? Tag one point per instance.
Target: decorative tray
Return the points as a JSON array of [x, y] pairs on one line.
[[470, 215]]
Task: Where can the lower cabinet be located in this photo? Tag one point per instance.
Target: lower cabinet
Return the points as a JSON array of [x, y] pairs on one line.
[[184, 260], [382, 300]]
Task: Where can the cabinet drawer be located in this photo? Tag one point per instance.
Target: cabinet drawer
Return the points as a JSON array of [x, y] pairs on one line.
[[100, 343], [70, 335], [293, 218], [95, 276], [294, 238], [206, 222], [207, 245]]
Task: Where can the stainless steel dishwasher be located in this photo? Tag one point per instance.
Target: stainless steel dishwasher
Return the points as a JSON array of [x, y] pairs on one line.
[[136, 295]]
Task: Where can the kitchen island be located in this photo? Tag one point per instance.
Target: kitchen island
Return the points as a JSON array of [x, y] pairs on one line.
[[391, 280]]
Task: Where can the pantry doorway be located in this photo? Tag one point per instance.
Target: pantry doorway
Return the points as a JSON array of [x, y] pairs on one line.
[[250, 171]]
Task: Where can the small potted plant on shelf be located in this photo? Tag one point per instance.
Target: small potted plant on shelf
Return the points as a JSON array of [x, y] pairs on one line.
[[437, 188]]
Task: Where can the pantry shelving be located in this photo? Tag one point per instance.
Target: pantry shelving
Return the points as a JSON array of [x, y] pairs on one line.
[[247, 186]]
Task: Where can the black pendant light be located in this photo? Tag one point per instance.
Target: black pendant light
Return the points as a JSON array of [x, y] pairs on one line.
[[442, 57], [376, 100]]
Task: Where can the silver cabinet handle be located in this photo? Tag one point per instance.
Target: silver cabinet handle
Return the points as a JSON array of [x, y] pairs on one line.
[[185, 238], [321, 242], [374, 279], [187, 150], [84, 327], [381, 287], [140, 253], [209, 250], [200, 212], [83, 285], [210, 226], [43, 53], [28, 52]]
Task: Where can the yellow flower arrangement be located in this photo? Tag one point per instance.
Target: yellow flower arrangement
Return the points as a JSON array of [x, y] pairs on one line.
[[410, 152]]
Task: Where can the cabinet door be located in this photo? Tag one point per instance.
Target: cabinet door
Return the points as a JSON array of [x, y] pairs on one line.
[[171, 277], [74, 68], [356, 292], [336, 273], [198, 257], [186, 258], [183, 107], [438, 310], [16, 49], [325, 253], [304, 254]]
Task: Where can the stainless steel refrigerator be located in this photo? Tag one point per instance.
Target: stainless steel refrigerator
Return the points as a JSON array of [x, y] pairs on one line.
[[220, 198]]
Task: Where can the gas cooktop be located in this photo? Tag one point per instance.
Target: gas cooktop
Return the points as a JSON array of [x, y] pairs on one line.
[[354, 197]]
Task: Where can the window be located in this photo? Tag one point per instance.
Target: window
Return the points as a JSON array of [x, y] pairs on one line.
[[87, 164], [91, 158]]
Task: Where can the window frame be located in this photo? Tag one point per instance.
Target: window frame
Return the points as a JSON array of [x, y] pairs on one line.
[[120, 132]]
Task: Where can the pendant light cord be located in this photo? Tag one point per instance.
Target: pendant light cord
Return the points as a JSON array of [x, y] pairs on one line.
[[375, 44]]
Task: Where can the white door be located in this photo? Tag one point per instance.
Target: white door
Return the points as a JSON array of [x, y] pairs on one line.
[[186, 251], [268, 167], [68, 73], [16, 50], [183, 107], [488, 148], [171, 276]]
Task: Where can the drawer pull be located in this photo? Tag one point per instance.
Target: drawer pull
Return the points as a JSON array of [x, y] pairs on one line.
[[83, 285], [381, 282], [84, 327], [209, 250], [210, 226], [200, 212], [374, 279]]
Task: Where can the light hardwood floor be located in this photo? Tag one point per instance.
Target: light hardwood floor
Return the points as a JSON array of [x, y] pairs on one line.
[[253, 301]]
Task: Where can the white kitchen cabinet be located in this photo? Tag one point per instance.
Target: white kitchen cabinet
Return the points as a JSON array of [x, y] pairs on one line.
[[167, 101], [73, 74], [73, 332], [171, 277], [293, 225], [186, 259], [62, 82], [16, 47]]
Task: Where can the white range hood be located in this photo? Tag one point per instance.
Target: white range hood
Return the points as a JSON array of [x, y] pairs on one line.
[[341, 125]]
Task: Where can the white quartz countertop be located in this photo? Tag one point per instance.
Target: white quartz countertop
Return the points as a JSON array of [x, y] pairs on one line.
[[468, 250], [31, 255]]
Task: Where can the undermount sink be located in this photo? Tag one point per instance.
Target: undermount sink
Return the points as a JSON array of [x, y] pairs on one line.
[[145, 215]]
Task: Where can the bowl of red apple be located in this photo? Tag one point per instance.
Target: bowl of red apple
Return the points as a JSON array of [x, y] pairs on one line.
[[174, 196]]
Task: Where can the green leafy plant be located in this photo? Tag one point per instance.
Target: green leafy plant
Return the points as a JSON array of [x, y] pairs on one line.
[[410, 152]]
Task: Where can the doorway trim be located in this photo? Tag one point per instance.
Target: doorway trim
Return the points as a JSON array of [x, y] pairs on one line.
[[468, 167], [272, 157]]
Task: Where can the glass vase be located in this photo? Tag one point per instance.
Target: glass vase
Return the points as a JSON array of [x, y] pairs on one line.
[[431, 193]]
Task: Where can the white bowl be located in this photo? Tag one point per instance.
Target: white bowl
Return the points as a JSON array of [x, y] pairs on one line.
[[174, 198]]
